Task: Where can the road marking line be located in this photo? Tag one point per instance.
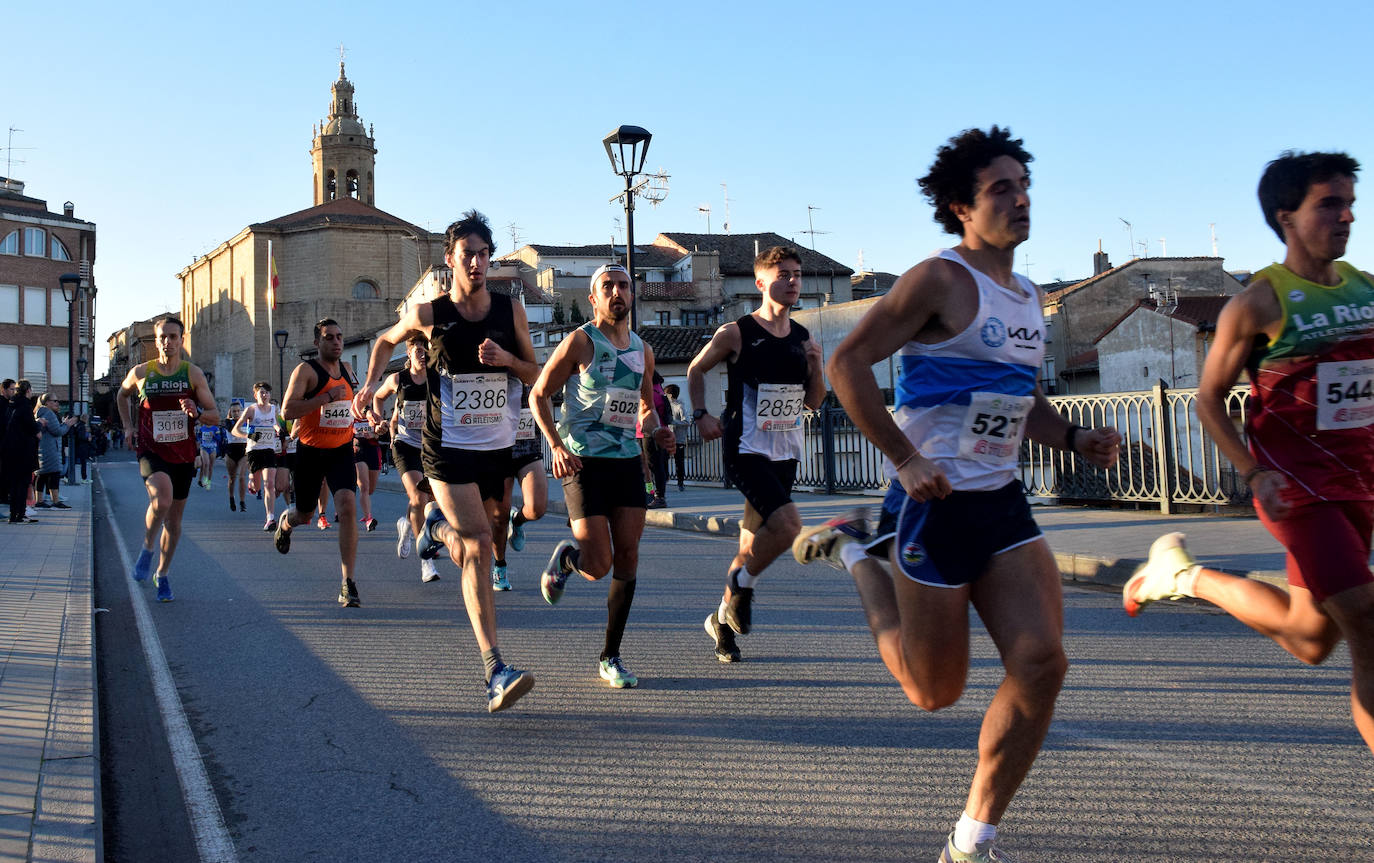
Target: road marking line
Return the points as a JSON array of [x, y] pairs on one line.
[[207, 822]]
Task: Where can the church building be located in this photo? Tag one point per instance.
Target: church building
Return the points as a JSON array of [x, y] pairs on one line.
[[341, 258]]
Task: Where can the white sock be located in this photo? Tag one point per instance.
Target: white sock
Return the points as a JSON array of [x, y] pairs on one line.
[[1186, 581], [851, 554], [739, 575], [969, 832]]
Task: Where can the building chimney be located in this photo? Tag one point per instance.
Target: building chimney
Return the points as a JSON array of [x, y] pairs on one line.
[[69, 209], [1101, 264]]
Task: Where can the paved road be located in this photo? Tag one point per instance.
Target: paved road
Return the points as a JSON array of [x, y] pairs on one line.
[[363, 734]]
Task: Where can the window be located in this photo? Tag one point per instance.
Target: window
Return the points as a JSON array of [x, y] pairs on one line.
[[36, 242], [10, 245], [61, 368], [35, 366], [9, 305], [696, 318], [9, 361], [365, 290], [664, 319], [35, 306], [58, 314], [59, 251]]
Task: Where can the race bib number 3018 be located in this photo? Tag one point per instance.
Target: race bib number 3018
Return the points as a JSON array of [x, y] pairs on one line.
[[169, 426], [1345, 394], [993, 427]]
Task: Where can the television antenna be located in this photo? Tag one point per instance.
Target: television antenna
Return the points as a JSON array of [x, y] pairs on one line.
[[706, 210], [654, 187], [725, 227], [10, 161], [1130, 233], [1212, 226], [811, 227], [514, 231]]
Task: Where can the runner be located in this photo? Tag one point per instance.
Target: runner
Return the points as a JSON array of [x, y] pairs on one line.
[[480, 353], [235, 451], [318, 400], [172, 395], [367, 458], [286, 459], [674, 394], [258, 428], [410, 385], [970, 335], [774, 371], [1303, 331], [210, 437], [606, 374], [526, 468]]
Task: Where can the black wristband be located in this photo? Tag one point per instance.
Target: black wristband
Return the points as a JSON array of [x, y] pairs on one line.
[[699, 413], [1068, 437]]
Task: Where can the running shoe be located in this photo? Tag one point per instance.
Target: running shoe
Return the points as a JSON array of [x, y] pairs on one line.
[[143, 567], [498, 577], [425, 544], [42, 504], [726, 648], [282, 537], [209, 483], [322, 523], [1157, 578], [614, 672], [824, 541], [555, 575], [269, 525], [369, 522], [231, 504], [507, 684], [348, 594], [242, 508], [983, 852], [658, 503], [515, 533], [61, 504], [737, 609], [428, 571], [403, 537], [164, 588]]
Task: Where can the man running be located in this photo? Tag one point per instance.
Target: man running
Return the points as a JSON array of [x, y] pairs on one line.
[[773, 372], [410, 385], [970, 335], [319, 399], [172, 396], [367, 458], [1303, 331], [210, 438], [606, 374], [235, 453], [480, 354], [526, 469], [258, 428]]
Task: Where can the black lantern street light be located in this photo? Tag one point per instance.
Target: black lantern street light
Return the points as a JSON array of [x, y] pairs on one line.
[[81, 365], [71, 291], [627, 147], [280, 337]]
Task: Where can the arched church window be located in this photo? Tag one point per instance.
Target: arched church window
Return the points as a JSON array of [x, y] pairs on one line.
[[330, 186], [365, 289], [352, 184]]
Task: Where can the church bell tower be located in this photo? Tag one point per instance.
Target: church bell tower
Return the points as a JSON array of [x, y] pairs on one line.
[[343, 154]]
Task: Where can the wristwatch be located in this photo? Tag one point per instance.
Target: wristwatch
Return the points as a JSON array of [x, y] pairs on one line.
[[699, 413]]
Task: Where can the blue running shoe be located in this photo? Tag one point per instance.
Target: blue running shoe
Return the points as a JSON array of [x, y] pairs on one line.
[[164, 588], [498, 578], [144, 567], [515, 533], [555, 575], [425, 544], [507, 684]]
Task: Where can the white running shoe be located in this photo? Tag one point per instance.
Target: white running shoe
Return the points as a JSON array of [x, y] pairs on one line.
[[1157, 578], [824, 541], [403, 537], [428, 571]]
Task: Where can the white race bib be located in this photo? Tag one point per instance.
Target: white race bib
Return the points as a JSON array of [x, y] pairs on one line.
[[337, 415], [621, 408], [993, 427], [413, 414], [1345, 394], [266, 436], [479, 398], [779, 407], [169, 426], [525, 431]]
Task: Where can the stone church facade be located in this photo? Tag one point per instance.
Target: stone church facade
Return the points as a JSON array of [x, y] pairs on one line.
[[341, 258]]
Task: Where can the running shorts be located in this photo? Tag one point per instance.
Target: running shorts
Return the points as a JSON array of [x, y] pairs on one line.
[[1328, 544], [519, 460], [180, 474], [235, 451], [369, 453], [603, 485], [766, 484], [316, 467], [488, 469], [259, 459], [406, 458], [948, 542]]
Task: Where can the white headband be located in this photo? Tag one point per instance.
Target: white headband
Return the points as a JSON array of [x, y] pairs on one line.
[[603, 270]]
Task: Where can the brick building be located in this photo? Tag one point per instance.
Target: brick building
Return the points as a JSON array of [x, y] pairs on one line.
[[38, 247]]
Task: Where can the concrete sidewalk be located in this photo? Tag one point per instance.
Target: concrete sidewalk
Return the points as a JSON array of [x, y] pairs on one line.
[[49, 744]]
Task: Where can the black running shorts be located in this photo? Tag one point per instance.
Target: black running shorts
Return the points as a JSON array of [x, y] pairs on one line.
[[180, 474], [317, 467], [603, 485]]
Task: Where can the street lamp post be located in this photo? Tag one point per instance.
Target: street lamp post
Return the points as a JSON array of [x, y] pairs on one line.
[[280, 337], [81, 365], [627, 159], [71, 291]]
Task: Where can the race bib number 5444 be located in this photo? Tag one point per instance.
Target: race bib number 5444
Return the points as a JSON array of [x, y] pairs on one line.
[[1345, 394], [993, 427]]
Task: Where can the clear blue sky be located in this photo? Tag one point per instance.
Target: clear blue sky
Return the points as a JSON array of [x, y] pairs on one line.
[[173, 126]]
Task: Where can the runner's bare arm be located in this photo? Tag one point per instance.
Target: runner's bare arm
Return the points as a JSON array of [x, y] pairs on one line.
[[574, 352], [1045, 425], [418, 318], [815, 375], [522, 362], [294, 404], [389, 386], [237, 430], [724, 345], [127, 390]]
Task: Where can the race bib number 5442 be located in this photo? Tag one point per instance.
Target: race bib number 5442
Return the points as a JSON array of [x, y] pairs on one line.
[[1345, 394]]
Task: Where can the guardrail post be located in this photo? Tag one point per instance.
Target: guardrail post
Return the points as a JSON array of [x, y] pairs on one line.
[[828, 446], [1163, 446]]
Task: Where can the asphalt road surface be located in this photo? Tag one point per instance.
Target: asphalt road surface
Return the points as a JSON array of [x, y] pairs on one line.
[[362, 734]]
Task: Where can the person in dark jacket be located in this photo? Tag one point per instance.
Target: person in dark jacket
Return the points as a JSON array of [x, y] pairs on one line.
[[20, 452]]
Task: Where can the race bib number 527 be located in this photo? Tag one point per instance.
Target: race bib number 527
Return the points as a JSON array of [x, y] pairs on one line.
[[993, 427]]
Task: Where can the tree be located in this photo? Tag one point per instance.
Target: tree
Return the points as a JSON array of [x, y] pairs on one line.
[[558, 313], [576, 315]]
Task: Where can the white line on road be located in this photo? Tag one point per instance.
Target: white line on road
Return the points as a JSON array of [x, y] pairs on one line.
[[207, 822]]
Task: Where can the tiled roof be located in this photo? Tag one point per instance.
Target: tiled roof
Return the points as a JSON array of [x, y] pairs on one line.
[[33, 207], [340, 211], [646, 257], [1201, 312], [873, 283], [676, 344], [1052, 292], [1084, 362], [667, 290], [737, 251]]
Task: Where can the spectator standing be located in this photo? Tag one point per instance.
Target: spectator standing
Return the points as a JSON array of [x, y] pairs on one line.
[[20, 452], [51, 431]]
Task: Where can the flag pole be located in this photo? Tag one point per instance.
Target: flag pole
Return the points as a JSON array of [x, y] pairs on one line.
[[271, 304]]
